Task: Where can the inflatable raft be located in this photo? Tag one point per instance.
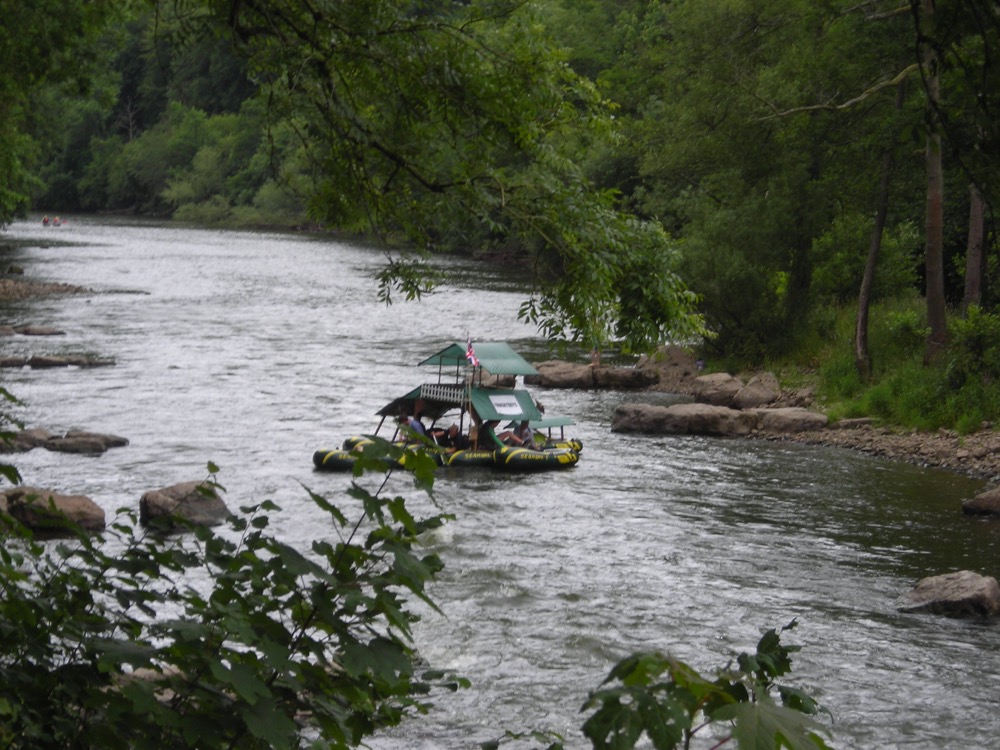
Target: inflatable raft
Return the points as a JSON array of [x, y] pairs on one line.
[[508, 458], [474, 399]]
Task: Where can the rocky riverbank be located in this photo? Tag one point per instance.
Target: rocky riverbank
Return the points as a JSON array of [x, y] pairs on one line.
[[977, 454], [675, 370]]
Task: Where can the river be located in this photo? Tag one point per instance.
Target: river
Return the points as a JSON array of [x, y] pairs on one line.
[[252, 350]]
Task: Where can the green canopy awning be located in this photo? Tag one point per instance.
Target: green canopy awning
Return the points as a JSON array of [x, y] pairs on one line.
[[432, 405], [501, 403], [495, 356], [546, 422], [434, 400]]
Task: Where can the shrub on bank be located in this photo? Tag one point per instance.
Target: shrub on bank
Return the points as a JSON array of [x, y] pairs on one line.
[[960, 391]]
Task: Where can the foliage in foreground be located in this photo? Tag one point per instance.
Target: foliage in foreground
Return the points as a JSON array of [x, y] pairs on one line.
[[656, 695], [652, 697], [214, 640], [225, 640]]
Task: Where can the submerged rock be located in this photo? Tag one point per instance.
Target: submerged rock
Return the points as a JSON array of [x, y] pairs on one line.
[[44, 361], [33, 330]]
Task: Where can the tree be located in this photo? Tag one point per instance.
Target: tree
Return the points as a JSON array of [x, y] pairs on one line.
[[862, 356], [959, 42], [975, 264], [934, 227], [38, 53], [755, 122], [441, 122]]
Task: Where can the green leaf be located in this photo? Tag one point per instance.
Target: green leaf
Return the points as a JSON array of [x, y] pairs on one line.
[[245, 679], [666, 720], [639, 669], [764, 725], [266, 721], [399, 514], [381, 658], [326, 505], [10, 473], [614, 726]]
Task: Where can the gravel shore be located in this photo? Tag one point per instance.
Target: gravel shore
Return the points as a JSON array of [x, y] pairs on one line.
[[976, 455]]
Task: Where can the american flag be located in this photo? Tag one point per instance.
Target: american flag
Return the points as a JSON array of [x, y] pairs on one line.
[[470, 354]]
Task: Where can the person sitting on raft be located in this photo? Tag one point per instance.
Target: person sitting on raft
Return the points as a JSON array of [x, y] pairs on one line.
[[413, 423], [451, 439], [522, 436], [486, 437]]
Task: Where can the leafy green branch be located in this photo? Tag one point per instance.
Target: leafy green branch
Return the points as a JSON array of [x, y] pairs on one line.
[[215, 640], [662, 698]]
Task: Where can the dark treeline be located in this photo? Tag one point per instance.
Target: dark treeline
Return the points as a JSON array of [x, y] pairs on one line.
[[167, 129], [785, 159]]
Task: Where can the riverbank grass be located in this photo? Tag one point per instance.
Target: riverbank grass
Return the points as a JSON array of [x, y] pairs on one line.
[[960, 391]]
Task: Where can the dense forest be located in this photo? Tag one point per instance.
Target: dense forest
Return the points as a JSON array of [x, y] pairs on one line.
[[760, 176], [805, 185]]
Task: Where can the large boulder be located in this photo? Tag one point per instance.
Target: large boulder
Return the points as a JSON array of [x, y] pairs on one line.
[[959, 594], [78, 441], [762, 389], [789, 419], [984, 504], [624, 378], [74, 441], [50, 513], [718, 388], [675, 367], [25, 440], [193, 503], [559, 374], [683, 419]]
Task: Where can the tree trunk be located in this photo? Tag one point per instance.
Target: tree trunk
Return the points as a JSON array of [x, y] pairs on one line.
[[975, 258], [862, 357], [934, 254]]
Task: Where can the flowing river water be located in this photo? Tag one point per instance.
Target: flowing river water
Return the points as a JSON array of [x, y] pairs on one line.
[[253, 350]]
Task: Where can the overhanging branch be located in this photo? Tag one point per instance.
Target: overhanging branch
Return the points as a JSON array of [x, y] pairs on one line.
[[900, 77]]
